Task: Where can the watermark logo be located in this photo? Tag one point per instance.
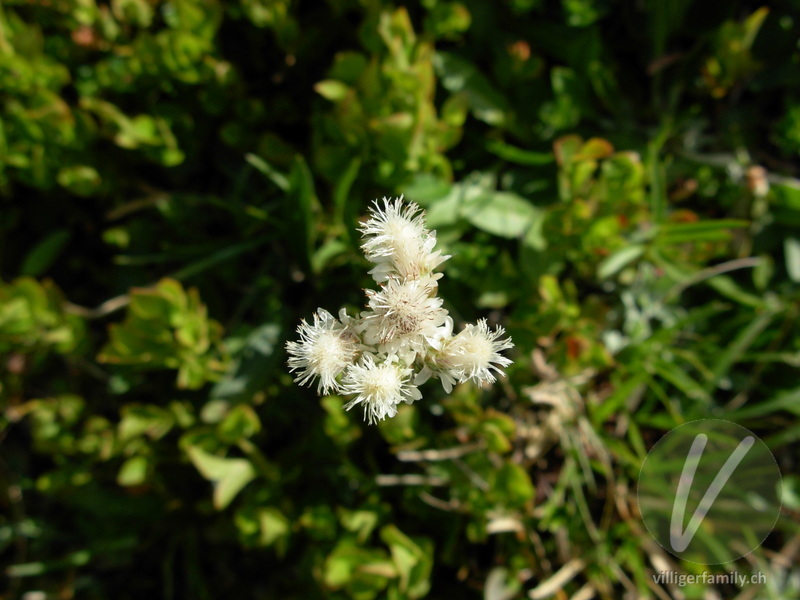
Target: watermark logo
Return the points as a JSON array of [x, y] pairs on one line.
[[709, 491]]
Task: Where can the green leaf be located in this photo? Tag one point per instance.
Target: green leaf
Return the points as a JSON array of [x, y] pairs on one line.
[[167, 327], [326, 253], [658, 183], [241, 422], [788, 400], [730, 289], [683, 382], [332, 90], [701, 231], [348, 67], [501, 213], [496, 439], [280, 180], [763, 272], [361, 522], [81, 180], [251, 369], [225, 254], [133, 471], [358, 568], [518, 155], [513, 485], [457, 75], [338, 425], [263, 526], [426, 189], [790, 496], [735, 349], [791, 249], [229, 475], [341, 193], [150, 420], [619, 260], [414, 563], [304, 202], [44, 254]]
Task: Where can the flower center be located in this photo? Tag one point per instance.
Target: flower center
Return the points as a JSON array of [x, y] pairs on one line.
[[382, 384], [329, 352], [479, 348]]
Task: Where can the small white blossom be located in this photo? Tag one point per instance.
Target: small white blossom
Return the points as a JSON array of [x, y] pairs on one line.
[[397, 239], [472, 355], [402, 315], [379, 387], [405, 336], [325, 350]]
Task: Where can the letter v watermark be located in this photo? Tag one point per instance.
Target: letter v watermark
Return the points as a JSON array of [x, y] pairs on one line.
[[680, 540]]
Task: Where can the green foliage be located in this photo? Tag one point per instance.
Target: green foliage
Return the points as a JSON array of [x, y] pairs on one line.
[[33, 319], [166, 327], [384, 110], [180, 184]]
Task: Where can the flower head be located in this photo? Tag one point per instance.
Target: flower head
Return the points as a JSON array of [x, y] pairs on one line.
[[396, 238], [379, 387], [404, 337], [403, 314], [325, 350], [473, 354]]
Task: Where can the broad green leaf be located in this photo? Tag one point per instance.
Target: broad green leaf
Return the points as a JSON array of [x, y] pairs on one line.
[[133, 471], [263, 526], [513, 485], [414, 562], [501, 213], [240, 422], [426, 189], [362, 522], [148, 419], [229, 475], [367, 570], [331, 89]]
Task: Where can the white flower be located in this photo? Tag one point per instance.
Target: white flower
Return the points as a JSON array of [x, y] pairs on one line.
[[379, 387], [325, 350], [472, 354], [397, 239], [404, 337], [402, 315]]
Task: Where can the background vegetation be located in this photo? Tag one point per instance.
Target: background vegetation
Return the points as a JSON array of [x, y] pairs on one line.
[[180, 183]]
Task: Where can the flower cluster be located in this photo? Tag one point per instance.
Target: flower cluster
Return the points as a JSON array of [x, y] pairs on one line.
[[405, 336]]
